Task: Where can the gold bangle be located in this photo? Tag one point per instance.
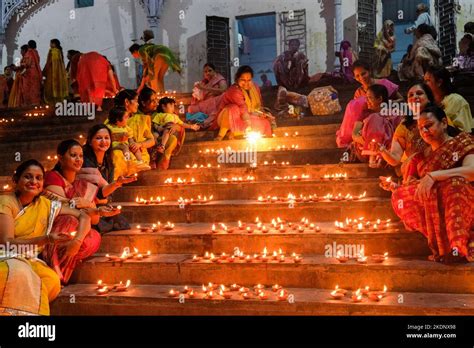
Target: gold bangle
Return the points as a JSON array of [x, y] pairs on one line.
[[431, 176]]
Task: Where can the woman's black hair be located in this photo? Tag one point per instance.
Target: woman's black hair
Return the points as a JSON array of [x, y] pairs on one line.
[[32, 44], [242, 70], [145, 96], [116, 114], [424, 29], [23, 167], [87, 148], [363, 65], [134, 48], [63, 148], [442, 74], [126, 94], [379, 91], [24, 47], [439, 114], [58, 46], [165, 101], [210, 65], [409, 119]]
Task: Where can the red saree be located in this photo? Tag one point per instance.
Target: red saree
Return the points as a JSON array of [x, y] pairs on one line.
[[67, 224], [447, 217], [92, 76], [32, 77]]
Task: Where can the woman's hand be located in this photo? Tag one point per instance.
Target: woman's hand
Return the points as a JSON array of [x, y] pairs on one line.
[[423, 191], [59, 237], [108, 211], [195, 127], [122, 180], [358, 139], [387, 184], [135, 147], [69, 251], [80, 203]]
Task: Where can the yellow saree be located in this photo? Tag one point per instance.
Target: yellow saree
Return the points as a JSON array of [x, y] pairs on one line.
[[27, 284], [56, 84]]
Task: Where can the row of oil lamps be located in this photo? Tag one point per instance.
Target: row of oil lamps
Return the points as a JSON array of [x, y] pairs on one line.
[[276, 225], [361, 258], [128, 255], [200, 199], [215, 292], [360, 225], [156, 227], [240, 256], [311, 198], [358, 295]]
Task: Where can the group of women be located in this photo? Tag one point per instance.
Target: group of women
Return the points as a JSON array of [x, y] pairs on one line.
[[89, 76], [28, 88], [431, 148]]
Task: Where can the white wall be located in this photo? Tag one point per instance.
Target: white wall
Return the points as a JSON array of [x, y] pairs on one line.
[[107, 27], [187, 36]]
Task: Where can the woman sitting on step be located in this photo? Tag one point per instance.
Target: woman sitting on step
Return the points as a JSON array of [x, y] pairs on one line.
[[357, 107], [376, 128], [63, 185], [207, 93], [241, 108], [407, 141], [98, 168], [457, 109], [27, 284], [437, 200]]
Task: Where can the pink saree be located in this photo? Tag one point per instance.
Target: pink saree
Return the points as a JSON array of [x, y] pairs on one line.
[[234, 104], [356, 110], [67, 224]]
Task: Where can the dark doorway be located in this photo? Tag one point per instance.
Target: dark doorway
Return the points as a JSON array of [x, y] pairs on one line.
[[257, 44], [218, 44], [366, 11]]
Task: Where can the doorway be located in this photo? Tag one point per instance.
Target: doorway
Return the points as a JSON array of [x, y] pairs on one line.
[[258, 44], [391, 10]]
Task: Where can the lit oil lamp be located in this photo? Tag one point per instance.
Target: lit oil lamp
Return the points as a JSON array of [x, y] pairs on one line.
[[248, 259], [243, 290], [241, 226], [282, 295], [375, 297], [297, 259], [210, 295], [377, 258], [225, 294], [262, 295], [276, 287], [258, 287], [338, 294], [365, 291], [173, 293], [235, 287], [341, 258], [100, 284], [246, 295], [169, 226], [357, 296], [122, 287], [103, 291], [213, 229]]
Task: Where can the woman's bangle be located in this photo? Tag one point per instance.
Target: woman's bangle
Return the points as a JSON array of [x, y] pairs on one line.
[[431, 176], [50, 240]]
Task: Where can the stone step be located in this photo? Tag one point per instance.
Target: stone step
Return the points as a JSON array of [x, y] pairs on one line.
[[294, 157], [262, 172], [245, 210], [197, 239], [154, 300], [264, 144], [314, 271], [229, 191], [288, 130]]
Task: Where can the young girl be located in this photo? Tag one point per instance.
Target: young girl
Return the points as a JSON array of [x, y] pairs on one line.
[[377, 128], [122, 137], [167, 123]]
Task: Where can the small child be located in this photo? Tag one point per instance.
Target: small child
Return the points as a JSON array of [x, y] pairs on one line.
[[122, 137], [166, 122]]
